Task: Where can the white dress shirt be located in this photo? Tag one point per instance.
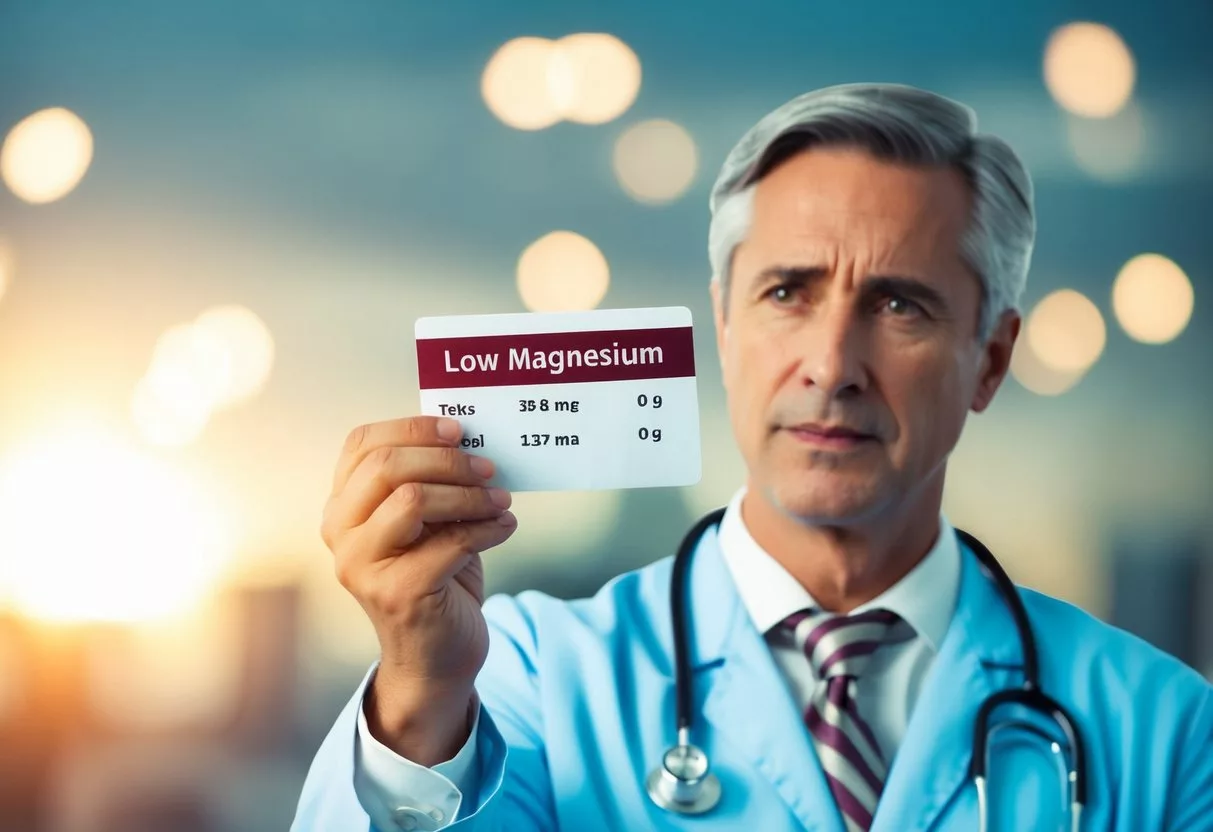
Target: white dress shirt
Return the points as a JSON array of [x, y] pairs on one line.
[[401, 795], [925, 598]]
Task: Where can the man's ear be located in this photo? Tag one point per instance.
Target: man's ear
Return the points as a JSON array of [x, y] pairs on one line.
[[996, 359]]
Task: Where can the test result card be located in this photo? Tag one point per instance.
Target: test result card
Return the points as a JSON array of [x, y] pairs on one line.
[[568, 400]]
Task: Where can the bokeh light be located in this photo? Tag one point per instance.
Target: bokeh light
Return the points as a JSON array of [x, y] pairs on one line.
[[592, 77], [655, 161], [562, 271], [92, 530], [222, 359], [169, 409], [1038, 377], [46, 155], [1152, 299], [1066, 332], [1111, 149], [248, 346], [515, 84], [1088, 69]]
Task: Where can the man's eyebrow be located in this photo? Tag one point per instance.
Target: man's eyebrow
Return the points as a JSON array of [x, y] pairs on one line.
[[796, 275], [907, 287]]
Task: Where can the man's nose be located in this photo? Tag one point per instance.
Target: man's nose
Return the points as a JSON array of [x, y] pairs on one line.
[[834, 351]]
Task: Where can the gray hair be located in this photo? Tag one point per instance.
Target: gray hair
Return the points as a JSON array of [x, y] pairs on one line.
[[900, 124]]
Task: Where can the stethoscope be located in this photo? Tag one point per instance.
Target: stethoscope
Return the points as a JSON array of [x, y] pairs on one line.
[[685, 784]]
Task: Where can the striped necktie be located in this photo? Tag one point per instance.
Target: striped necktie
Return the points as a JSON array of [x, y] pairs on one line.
[[839, 648]]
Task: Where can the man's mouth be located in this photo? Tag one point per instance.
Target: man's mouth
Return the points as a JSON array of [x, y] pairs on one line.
[[831, 437]]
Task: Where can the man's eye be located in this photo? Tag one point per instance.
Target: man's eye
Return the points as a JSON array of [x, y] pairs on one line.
[[900, 306], [782, 294]]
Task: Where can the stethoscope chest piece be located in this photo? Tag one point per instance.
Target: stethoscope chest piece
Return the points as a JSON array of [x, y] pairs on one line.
[[682, 783]]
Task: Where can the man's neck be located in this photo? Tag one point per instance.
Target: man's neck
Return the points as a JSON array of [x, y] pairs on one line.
[[844, 566]]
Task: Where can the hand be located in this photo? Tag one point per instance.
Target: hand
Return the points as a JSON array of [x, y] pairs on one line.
[[407, 520]]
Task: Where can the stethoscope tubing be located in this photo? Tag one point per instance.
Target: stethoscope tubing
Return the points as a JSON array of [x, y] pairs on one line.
[[1029, 695]]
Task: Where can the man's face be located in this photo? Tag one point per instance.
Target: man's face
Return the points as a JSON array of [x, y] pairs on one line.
[[849, 347]]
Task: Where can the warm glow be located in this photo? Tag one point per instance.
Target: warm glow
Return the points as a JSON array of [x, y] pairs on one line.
[[1152, 299], [1037, 376], [655, 161], [1088, 69], [46, 155], [6, 268], [1111, 149], [184, 671], [515, 84], [248, 347], [172, 404], [12, 683], [92, 530], [1066, 332], [220, 360], [593, 77], [169, 410], [562, 271]]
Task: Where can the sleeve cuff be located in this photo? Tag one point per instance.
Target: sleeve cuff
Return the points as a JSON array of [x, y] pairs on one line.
[[399, 794]]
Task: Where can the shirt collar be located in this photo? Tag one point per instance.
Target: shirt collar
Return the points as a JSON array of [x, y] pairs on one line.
[[925, 597]]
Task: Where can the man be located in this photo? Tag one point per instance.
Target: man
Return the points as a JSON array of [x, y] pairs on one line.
[[868, 253]]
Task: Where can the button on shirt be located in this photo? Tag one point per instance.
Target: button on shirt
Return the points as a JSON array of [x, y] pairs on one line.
[[399, 794]]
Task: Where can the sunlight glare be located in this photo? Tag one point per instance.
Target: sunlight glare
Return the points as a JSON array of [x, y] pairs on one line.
[[94, 530]]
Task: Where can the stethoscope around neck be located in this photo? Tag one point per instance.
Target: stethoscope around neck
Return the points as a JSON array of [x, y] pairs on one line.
[[684, 784]]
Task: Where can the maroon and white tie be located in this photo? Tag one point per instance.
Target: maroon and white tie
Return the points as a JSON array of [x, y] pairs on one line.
[[839, 648]]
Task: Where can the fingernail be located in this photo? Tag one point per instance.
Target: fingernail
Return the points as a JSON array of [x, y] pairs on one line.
[[500, 497], [449, 429], [508, 519], [482, 467]]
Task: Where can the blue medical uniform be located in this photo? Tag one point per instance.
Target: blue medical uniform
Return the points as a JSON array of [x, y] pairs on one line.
[[578, 703]]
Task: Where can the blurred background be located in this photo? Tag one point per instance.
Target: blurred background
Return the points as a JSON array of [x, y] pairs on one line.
[[219, 220]]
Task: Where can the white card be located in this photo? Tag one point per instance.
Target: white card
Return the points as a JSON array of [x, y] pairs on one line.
[[568, 400]]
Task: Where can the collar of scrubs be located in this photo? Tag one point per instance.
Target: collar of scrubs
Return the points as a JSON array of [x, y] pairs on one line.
[[737, 678], [925, 597]]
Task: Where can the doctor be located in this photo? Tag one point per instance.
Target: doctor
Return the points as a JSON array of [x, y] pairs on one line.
[[868, 251]]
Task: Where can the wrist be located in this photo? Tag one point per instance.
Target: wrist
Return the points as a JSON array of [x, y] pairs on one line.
[[422, 722]]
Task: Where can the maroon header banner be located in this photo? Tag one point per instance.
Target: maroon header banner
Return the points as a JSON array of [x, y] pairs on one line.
[[555, 358]]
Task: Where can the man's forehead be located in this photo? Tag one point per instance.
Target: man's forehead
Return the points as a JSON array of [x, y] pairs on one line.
[[832, 191]]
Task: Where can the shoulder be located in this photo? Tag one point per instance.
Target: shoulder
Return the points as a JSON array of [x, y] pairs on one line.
[[1110, 663]]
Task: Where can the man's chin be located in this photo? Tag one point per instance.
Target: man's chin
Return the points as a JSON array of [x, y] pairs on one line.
[[836, 504]]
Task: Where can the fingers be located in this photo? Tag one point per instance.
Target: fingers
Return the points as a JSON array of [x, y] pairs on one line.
[[414, 431], [451, 547], [387, 468], [398, 521], [426, 566]]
